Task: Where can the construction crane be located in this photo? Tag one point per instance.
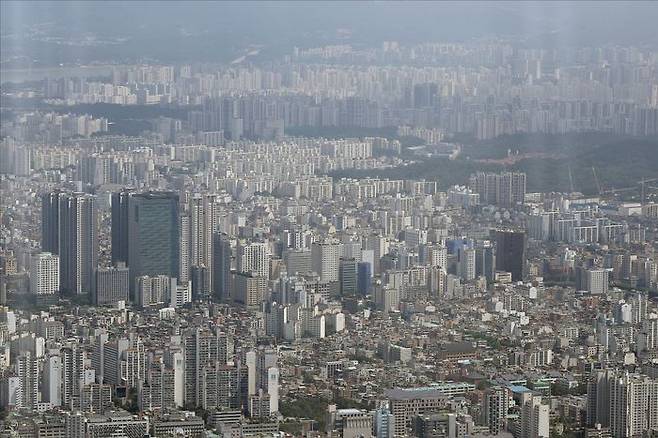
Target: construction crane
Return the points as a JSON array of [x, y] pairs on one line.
[[570, 178], [596, 180], [642, 182]]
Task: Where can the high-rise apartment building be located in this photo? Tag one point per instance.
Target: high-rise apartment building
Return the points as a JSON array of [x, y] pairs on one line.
[[201, 216], [505, 189], [496, 405], [69, 226], [44, 274], [254, 258], [112, 285], [535, 418], [633, 405]]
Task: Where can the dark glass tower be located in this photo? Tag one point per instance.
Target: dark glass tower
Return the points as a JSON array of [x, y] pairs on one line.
[[510, 252], [222, 255], [120, 226], [153, 234], [69, 225], [50, 222]]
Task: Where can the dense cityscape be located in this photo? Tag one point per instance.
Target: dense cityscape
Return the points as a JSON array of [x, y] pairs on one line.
[[436, 239]]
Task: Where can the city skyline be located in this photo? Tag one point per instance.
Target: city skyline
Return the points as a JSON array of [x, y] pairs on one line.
[[329, 219]]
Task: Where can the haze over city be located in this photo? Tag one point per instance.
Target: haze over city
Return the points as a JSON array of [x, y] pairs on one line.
[[328, 219]]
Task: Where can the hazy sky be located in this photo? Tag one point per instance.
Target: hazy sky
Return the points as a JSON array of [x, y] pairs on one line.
[[205, 30]]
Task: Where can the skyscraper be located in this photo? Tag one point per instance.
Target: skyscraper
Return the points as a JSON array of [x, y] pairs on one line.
[[326, 258], [201, 213], [70, 230], [50, 222], [348, 276], [153, 235], [485, 261], [510, 252], [222, 254], [119, 205]]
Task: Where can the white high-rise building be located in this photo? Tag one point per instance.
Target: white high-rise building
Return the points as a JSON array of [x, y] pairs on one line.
[[44, 274], [254, 258], [633, 405], [273, 388], [535, 418], [51, 389], [597, 281]]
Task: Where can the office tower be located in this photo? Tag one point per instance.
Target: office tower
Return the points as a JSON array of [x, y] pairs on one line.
[[112, 285], [44, 274], [510, 253], [298, 261], [496, 405], [201, 216], [598, 398], [248, 289], [364, 278], [348, 276], [535, 418], [199, 278], [70, 230], [119, 206], [379, 246], [222, 258], [594, 281], [384, 423], [254, 258], [326, 258], [153, 235], [466, 263], [50, 222], [109, 354], [485, 261]]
